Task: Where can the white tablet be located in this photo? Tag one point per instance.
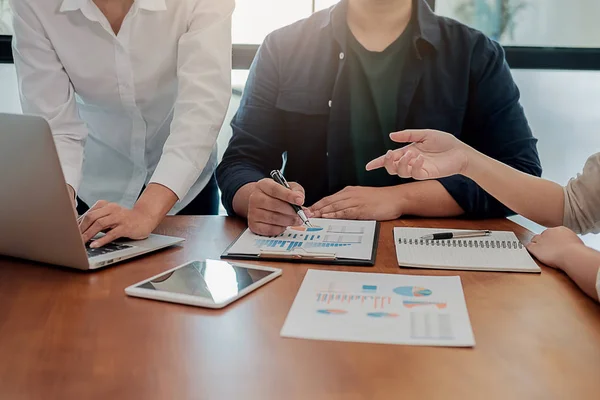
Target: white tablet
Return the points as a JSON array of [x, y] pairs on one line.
[[210, 283]]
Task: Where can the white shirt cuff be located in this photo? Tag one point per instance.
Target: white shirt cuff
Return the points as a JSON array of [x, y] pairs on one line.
[[175, 174], [72, 177]]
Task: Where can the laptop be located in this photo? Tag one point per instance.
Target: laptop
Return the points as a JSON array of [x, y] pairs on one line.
[[37, 221]]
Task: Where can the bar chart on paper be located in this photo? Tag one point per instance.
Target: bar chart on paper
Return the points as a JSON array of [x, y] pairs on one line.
[[376, 302], [290, 245]]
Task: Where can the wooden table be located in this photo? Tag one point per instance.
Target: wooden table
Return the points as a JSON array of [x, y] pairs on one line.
[[76, 335]]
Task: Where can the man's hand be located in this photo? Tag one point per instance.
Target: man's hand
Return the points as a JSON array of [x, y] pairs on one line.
[[553, 245], [269, 210], [364, 203]]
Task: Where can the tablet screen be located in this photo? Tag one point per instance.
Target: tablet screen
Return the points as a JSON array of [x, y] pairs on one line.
[[211, 279]]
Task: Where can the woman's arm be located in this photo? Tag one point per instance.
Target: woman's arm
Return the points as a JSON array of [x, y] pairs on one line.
[[561, 248], [46, 89], [434, 154], [582, 265], [204, 74], [537, 199]]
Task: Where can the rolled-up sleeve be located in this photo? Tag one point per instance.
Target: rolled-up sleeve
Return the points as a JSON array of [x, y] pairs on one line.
[[257, 142], [582, 199], [495, 125], [204, 74], [46, 90]]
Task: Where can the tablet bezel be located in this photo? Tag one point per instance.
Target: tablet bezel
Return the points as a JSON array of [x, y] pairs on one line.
[[186, 299]]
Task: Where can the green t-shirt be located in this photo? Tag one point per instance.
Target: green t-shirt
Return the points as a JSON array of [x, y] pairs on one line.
[[374, 79]]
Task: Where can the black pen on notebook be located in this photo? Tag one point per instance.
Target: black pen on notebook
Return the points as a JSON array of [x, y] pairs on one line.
[[279, 178], [456, 235]]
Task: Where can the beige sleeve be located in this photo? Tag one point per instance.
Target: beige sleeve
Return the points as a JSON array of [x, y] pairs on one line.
[[582, 199]]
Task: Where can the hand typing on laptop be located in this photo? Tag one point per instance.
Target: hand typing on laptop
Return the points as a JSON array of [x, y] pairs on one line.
[[48, 231], [118, 222]]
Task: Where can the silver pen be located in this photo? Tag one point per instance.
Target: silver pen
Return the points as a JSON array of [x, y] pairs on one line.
[[456, 235], [279, 178]]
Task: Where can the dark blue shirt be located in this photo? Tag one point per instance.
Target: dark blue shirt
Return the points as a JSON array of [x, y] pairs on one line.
[[297, 100]]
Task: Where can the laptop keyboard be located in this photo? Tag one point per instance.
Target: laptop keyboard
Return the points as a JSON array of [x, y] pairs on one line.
[[109, 248]]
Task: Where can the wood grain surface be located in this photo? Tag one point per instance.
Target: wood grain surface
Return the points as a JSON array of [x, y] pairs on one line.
[[66, 334]]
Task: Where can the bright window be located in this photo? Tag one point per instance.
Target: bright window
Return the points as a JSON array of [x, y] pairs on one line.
[[252, 19], [255, 19], [537, 23], [5, 18]]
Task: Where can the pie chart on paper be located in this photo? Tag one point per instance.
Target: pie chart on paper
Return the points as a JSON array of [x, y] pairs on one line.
[[412, 291]]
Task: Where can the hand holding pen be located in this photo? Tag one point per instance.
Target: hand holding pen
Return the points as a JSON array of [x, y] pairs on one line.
[[279, 178], [269, 209]]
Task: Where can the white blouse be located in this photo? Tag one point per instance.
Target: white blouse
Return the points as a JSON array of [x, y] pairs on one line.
[[144, 106]]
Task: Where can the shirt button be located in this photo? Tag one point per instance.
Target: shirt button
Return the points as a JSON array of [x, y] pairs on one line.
[[329, 103], [342, 56], [327, 154]]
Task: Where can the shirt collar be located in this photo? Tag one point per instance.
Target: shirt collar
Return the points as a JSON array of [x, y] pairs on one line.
[[428, 24], [150, 5], [72, 5], [425, 23]]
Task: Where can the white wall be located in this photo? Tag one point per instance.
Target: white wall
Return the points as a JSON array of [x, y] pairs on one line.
[[559, 23], [563, 108]]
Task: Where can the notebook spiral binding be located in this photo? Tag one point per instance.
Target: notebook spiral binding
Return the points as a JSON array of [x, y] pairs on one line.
[[485, 244]]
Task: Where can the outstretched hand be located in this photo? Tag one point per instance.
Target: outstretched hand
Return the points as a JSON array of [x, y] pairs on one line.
[[430, 155]]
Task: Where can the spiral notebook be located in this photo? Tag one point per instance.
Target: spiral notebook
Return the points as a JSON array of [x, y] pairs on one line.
[[501, 251]]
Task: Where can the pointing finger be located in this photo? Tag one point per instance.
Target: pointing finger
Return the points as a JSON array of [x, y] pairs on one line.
[[409, 136]]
